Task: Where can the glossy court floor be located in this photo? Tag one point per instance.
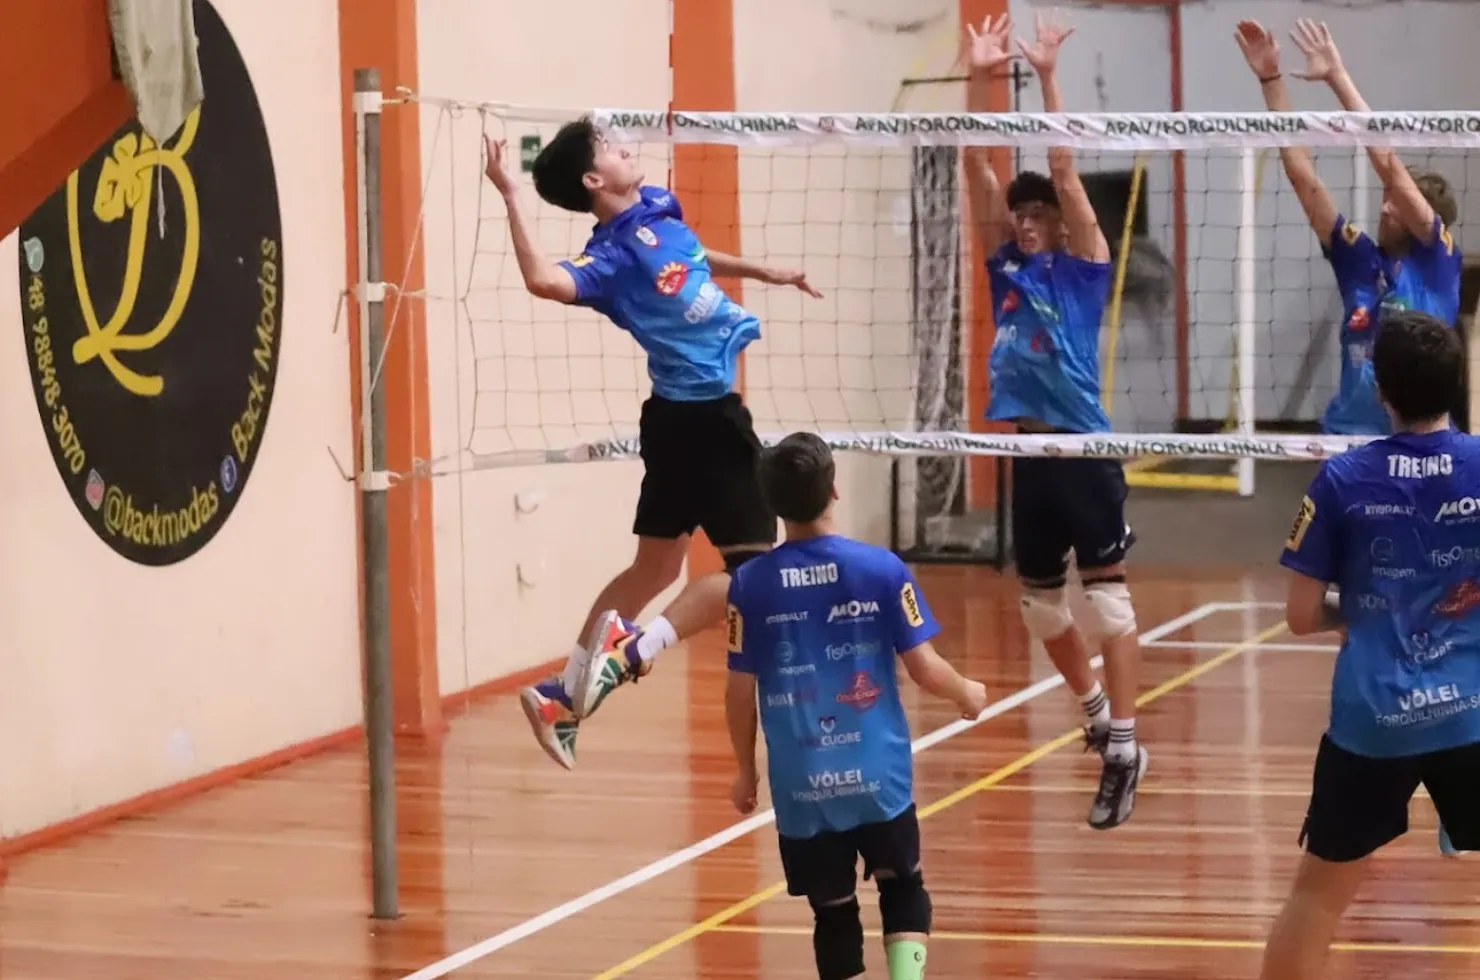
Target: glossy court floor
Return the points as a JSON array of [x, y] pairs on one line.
[[635, 865]]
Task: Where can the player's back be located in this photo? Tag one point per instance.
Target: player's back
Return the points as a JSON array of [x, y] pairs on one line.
[[1407, 679], [820, 628]]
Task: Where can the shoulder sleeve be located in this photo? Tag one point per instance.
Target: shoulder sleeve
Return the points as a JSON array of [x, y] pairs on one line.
[[913, 621], [1314, 546], [596, 271], [662, 201], [741, 654], [1352, 252], [1440, 258], [1005, 253], [1088, 272]]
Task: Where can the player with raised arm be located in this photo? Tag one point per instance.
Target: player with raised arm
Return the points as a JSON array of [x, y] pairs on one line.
[[1392, 524], [1049, 270], [814, 628], [1412, 265], [647, 272]]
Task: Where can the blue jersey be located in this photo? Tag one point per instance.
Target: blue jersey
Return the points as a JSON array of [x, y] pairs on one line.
[[1371, 283], [819, 622], [1396, 524], [646, 271], [1045, 362]]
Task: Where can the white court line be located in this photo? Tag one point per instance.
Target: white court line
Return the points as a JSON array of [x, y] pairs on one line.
[[693, 852], [1253, 647]]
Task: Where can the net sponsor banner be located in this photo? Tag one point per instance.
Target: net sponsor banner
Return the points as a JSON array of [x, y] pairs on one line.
[[1088, 130]]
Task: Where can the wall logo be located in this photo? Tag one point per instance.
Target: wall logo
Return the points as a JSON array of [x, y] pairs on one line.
[[152, 303]]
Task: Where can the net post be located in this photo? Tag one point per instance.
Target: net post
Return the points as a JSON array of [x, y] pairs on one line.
[[1248, 200], [374, 484]]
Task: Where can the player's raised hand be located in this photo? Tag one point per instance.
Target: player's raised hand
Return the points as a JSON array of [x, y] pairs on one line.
[[743, 791], [1261, 49], [1322, 60], [973, 700], [790, 277], [1043, 54], [495, 164], [987, 49]]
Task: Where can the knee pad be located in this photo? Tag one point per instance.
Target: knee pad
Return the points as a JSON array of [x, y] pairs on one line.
[[734, 559], [904, 905], [837, 940], [1110, 614], [1046, 612]]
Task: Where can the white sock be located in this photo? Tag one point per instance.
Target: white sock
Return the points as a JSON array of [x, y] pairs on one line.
[[1122, 740], [1096, 706], [656, 637], [572, 671]]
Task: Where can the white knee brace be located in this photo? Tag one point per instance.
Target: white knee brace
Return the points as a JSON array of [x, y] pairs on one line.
[[1110, 614], [1046, 613]]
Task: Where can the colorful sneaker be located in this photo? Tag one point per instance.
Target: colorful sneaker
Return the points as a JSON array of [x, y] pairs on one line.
[[547, 707], [613, 662], [1116, 798]]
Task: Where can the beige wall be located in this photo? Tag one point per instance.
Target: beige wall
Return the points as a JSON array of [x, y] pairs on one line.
[[117, 678]]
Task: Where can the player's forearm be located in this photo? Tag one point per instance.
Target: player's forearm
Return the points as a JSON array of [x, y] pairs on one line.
[[1298, 164], [741, 719], [939, 678], [542, 276], [1384, 160], [724, 264]]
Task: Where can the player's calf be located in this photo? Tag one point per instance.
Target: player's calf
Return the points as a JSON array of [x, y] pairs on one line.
[[906, 911], [1047, 618], [1111, 623], [837, 939]]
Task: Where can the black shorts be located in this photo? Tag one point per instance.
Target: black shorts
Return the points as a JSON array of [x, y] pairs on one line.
[[702, 470], [1358, 804], [1067, 504], [824, 868]]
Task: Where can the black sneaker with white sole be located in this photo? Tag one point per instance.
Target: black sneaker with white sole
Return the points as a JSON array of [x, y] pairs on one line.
[[1116, 798]]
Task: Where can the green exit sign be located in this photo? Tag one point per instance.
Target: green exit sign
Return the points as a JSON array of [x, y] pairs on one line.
[[529, 148]]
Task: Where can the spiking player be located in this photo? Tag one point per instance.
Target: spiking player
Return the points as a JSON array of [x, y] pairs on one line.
[[1413, 265], [1049, 270], [647, 272], [1391, 524], [814, 627]]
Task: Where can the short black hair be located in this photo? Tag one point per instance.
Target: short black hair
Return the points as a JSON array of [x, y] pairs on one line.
[[797, 477], [561, 168], [1419, 365], [1031, 187]]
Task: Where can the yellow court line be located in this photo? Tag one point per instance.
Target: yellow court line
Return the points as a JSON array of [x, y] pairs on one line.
[[986, 782], [1143, 942]]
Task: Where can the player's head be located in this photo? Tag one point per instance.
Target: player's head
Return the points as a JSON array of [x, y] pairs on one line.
[[1037, 221], [1391, 233], [1419, 366], [579, 168], [797, 478]]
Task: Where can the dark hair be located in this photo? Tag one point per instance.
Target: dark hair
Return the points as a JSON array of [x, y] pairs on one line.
[[561, 168], [1419, 365], [1435, 189], [797, 477], [1031, 187]]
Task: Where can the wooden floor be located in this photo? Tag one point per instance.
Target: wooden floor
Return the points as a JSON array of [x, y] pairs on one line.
[[269, 878]]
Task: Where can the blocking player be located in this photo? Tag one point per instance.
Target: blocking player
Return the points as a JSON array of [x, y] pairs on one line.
[[1392, 524], [1049, 271], [646, 271], [1414, 264], [814, 628]]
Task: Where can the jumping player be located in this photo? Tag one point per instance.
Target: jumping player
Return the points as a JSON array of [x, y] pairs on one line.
[[645, 270], [814, 627], [1049, 270], [1390, 524], [1413, 265]]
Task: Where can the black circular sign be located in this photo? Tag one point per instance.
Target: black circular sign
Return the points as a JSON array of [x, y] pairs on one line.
[[152, 299]]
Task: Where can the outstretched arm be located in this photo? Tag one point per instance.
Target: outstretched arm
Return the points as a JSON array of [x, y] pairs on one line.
[[543, 277], [1323, 63], [1262, 52], [1085, 238], [722, 264], [984, 193]]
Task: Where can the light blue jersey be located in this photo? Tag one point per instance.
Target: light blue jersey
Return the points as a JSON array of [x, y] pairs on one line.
[[1371, 283], [1045, 362], [647, 272], [1396, 524], [819, 623]]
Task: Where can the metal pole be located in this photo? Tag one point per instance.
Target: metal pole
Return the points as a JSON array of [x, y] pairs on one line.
[[374, 482]]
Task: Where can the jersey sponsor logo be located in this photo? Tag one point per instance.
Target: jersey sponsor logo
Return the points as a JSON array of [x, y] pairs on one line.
[[1422, 650], [1360, 319], [790, 699], [671, 278], [862, 694], [828, 737], [581, 261], [1302, 523], [1387, 510], [785, 654], [1424, 697], [1420, 467], [1465, 509], [1371, 602], [709, 299], [830, 783], [1461, 599], [786, 617], [1458, 555], [853, 611], [1350, 233], [1010, 301], [809, 575], [645, 235], [734, 629], [852, 651], [910, 605]]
